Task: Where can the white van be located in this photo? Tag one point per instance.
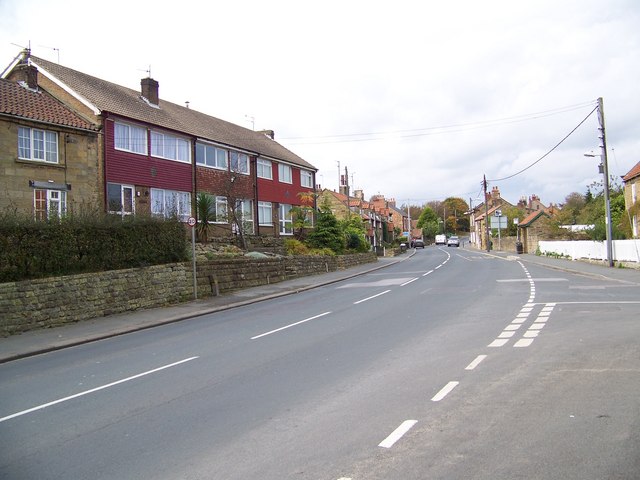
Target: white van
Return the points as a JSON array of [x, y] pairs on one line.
[[441, 239]]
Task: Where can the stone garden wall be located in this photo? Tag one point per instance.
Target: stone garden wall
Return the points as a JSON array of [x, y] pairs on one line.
[[51, 302]]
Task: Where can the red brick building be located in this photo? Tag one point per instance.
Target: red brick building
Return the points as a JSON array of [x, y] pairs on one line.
[[156, 156]]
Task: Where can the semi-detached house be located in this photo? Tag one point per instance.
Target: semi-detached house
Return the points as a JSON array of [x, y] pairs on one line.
[[156, 155]]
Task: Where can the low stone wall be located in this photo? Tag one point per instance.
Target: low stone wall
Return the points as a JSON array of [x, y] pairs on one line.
[[51, 302]]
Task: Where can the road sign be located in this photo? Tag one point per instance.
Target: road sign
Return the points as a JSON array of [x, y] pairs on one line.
[[191, 222], [499, 222]]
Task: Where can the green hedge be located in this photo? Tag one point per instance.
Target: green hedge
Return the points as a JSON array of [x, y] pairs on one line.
[[31, 249]]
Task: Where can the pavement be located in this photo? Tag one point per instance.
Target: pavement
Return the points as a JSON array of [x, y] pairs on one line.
[[46, 340]]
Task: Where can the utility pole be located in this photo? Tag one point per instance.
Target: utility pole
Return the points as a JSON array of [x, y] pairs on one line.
[[486, 212], [605, 164]]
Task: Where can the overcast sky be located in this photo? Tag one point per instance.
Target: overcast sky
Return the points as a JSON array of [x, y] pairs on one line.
[[418, 99]]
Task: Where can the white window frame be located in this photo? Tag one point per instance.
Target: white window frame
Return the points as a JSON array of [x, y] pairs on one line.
[[285, 219], [56, 203], [37, 145], [170, 147], [126, 141], [167, 203], [265, 213], [244, 208], [264, 169], [239, 162], [124, 189], [285, 174], [306, 179], [211, 156]]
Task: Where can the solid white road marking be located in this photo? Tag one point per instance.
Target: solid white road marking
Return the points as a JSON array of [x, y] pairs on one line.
[[290, 325], [445, 391], [397, 434], [93, 390], [372, 296], [476, 362]]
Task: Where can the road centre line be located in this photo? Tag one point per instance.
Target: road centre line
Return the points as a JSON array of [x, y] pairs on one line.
[[476, 362], [410, 281], [369, 298], [397, 434], [429, 272], [93, 390], [444, 391], [289, 326]]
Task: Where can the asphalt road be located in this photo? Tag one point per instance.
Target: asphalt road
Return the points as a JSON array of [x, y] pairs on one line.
[[450, 365]]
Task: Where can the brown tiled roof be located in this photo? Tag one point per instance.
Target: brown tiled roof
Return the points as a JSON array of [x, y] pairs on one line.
[[633, 173], [19, 101], [112, 98], [529, 219]]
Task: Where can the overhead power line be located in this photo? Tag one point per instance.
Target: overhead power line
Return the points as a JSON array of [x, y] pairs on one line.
[[546, 154], [426, 131]]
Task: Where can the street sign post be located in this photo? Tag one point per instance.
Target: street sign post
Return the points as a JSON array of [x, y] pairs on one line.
[[192, 223]]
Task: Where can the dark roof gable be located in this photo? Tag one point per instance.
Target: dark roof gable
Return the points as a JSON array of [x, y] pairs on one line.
[[125, 102]]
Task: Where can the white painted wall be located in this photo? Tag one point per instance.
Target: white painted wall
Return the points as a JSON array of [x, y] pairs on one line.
[[623, 250]]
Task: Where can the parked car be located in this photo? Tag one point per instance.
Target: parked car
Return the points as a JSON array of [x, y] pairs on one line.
[[453, 241], [418, 244]]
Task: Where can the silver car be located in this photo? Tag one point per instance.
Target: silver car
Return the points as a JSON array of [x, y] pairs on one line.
[[453, 241]]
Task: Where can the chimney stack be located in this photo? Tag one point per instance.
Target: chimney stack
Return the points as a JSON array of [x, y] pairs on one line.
[[27, 74], [268, 133], [149, 89]]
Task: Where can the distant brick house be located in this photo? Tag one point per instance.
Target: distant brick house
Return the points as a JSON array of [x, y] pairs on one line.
[[376, 217], [49, 162], [631, 194], [156, 156], [480, 215]]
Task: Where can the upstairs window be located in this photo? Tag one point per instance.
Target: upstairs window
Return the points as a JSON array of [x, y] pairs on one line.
[[170, 147], [130, 138], [284, 173], [39, 145], [239, 162], [306, 178], [264, 169], [211, 156]]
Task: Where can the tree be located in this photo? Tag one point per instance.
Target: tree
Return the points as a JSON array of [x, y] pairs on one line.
[[204, 208], [354, 233], [302, 215], [454, 208], [428, 223], [327, 233]]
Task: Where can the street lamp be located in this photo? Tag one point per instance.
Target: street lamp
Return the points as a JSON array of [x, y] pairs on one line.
[[604, 169]]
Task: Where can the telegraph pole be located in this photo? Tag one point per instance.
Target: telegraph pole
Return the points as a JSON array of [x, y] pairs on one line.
[[605, 165], [486, 212]]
